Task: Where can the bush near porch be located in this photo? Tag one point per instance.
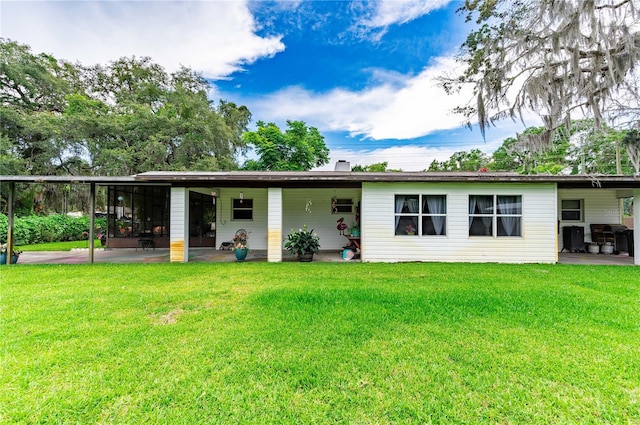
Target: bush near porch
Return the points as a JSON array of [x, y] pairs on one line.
[[34, 229], [320, 343]]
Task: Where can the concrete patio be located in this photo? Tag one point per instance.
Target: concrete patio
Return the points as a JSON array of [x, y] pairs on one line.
[[161, 255]]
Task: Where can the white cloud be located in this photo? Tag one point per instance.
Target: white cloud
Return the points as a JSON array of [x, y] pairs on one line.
[[388, 110], [388, 13], [215, 38]]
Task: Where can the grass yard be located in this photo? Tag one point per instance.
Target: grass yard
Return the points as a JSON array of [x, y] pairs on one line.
[[320, 343]]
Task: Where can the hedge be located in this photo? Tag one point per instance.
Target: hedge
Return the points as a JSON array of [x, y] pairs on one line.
[[35, 229]]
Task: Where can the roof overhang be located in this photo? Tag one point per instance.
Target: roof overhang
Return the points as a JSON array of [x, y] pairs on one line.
[[333, 179]]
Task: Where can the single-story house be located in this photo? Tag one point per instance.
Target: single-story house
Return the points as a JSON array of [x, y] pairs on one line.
[[402, 216]]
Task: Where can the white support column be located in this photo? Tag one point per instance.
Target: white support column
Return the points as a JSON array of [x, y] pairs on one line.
[[179, 230], [274, 225], [636, 226]]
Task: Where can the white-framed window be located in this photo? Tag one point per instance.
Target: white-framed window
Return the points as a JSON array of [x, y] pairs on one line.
[[571, 209], [341, 205], [495, 215], [241, 209], [420, 215]]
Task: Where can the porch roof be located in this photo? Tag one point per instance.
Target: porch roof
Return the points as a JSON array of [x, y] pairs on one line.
[[332, 178], [355, 179]]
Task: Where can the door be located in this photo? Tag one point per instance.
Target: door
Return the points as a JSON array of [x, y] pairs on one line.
[[202, 220]]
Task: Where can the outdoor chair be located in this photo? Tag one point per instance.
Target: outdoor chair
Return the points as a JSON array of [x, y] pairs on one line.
[[146, 241]]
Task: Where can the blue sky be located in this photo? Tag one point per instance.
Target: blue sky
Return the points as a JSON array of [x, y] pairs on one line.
[[361, 72]]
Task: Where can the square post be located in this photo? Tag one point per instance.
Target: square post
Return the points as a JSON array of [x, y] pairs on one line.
[[274, 225], [10, 213], [92, 220], [179, 228], [636, 226]]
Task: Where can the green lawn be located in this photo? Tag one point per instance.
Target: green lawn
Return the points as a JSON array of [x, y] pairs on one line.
[[58, 246], [320, 343]]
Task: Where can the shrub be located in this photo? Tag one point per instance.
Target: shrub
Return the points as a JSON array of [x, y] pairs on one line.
[[302, 241], [34, 229]]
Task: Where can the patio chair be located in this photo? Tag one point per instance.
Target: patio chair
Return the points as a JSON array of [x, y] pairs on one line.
[[145, 241]]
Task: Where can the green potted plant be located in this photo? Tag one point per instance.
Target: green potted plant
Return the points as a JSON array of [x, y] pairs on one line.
[[303, 243], [354, 230], [240, 247], [14, 254]]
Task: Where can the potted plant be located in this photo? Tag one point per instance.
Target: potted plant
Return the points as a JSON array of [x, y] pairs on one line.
[[303, 243], [14, 254], [240, 247], [354, 230], [410, 229]]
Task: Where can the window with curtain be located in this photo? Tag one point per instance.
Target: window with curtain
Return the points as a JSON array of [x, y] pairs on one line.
[[420, 215], [495, 215], [434, 218], [509, 215]]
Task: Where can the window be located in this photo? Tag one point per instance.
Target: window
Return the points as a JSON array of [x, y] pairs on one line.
[[571, 210], [242, 209], [495, 215], [434, 220], [421, 215], [137, 209], [341, 206]]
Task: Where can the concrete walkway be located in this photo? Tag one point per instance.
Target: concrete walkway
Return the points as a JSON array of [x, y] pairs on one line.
[[212, 255]]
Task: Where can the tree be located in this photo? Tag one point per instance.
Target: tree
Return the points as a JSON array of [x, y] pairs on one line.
[[299, 148], [126, 117], [631, 141], [550, 57], [373, 168], [515, 156], [473, 160]]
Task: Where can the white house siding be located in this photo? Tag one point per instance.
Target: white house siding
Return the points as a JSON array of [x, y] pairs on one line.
[[537, 244], [601, 206], [289, 207], [317, 214], [178, 251], [226, 228]]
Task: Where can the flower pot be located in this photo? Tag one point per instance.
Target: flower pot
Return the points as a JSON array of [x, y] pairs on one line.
[[3, 258], [306, 257], [241, 253]]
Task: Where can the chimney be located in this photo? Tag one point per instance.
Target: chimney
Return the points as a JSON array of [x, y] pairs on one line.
[[343, 165]]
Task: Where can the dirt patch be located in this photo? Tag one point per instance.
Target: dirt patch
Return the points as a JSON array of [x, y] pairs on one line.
[[170, 318]]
